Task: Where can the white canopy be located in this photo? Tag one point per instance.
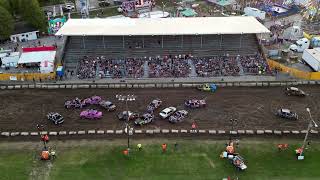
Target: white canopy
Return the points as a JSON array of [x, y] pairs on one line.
[[162, 26], [37, 57]]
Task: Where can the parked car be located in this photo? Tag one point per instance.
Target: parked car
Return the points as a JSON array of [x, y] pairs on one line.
[[123, 116], [144, 119], [108, 105], [56, 118], [91, 114], [156, 103], [104, 4], [195, 103], [178, 116], [74, 103], [293, 91], [167, 112], [286, 113]]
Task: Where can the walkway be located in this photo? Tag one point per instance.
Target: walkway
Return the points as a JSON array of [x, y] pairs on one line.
[[145, 70], [193, 72]]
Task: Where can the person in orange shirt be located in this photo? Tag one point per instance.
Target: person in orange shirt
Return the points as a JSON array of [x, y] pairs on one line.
[[164, 148]]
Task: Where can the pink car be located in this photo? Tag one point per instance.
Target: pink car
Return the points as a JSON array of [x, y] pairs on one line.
[[91, 114], [92, 100]]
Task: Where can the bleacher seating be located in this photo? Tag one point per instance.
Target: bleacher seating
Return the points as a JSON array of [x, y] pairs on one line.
[[77, 47]]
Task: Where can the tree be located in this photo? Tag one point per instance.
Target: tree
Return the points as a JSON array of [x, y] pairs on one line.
[[33, 14], [6, 22]]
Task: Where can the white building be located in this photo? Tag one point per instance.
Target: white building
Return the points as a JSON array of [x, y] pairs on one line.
[[24, 32]]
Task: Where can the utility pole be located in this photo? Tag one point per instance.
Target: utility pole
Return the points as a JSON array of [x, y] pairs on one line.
[[128, 130]]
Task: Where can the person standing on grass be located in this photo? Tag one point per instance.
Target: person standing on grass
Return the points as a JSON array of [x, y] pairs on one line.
[[139, 147], [164, 148]]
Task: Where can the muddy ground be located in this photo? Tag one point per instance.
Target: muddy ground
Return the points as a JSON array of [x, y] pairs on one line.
[[254, 108]]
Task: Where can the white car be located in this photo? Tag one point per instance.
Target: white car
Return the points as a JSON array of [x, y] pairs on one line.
[[70, 7], [167, 112]]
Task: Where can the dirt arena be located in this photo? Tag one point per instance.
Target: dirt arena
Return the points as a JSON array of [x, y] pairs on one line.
[[254, 108]]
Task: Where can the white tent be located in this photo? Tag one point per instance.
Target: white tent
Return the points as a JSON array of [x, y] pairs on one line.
[[37, 57]]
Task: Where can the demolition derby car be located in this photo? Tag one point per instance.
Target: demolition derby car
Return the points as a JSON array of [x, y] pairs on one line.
[[75, 103], [178, 116], [293, 91], [286, 113], [238, 162], [156, 103], [194, 103], [123, 116], [144, 119], [56, 118], [91, 114], [207, 87], [109, 106], [167, 112], [94, 100]]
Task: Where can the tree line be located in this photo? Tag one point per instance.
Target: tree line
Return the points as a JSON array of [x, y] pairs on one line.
[[15, 10]]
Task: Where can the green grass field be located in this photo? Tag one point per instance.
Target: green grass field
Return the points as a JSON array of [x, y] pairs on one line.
[[196, 160]]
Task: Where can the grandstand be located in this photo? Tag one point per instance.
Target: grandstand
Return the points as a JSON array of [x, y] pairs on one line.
[[139, 38]]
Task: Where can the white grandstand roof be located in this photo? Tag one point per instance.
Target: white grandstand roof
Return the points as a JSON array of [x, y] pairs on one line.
[[162, 26]]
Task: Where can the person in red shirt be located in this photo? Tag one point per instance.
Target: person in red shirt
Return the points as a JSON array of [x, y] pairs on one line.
[[164, 148]]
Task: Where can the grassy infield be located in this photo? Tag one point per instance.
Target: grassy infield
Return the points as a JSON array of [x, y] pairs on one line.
[[193, 160]]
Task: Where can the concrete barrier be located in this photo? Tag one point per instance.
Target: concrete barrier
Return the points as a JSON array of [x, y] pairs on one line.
[[212, 132], [303, 132], [93, 86], [249, 132], [117, 86], [187, 85], [17, 86], [75, 132], [3, 87], [241, 131], [286, 132], [62, 86], [75, 86], [313, 131], [5, 134], [10, 87], [100, 132], [34, 134], [156, 131], [102, 86], [24, 134], [149, 131], [43, 132], [233, 132], [62, 132], [68, 86], [268, 131], [81, 132], [14, 133], [91, 131], [137, 131], [84, 86], [221, 132], [277, 132], [260, 131], [52, 133], [174, 131], [119, 131], [295, 132], [165, 131], [110, 131], [184, 131]]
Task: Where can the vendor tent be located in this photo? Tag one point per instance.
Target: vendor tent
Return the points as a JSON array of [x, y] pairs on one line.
[[187, 12], [43, 56]]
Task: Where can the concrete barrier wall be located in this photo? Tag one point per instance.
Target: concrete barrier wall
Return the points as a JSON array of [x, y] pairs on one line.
[[119, 132], [153, 85]]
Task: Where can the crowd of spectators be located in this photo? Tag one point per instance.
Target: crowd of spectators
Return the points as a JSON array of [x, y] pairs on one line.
[[87, 68], [168, 66], [172, 66], [216, 66], [91, 67], [230, 65], [254, 64]]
